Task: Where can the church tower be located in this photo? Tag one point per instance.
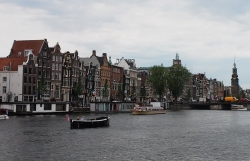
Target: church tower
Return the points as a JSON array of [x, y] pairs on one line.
[[176, 61], [234, 81]]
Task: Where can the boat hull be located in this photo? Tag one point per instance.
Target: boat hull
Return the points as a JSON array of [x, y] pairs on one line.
[[148, 112], [4, 117], [238, 108], [90, 123]]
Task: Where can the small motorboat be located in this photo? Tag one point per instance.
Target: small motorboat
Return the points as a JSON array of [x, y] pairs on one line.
[[235, 107], [4, 114], [89, 123]]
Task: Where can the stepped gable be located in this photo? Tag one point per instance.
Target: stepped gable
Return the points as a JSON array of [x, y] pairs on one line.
[[19, 46]]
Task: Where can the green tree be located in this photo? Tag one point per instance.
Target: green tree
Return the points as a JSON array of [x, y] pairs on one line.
[[143, 93], [177, 77], [42, 87], [188, 96], [105, 90], [80, 86], [9, 96], [157, 79], [120, 93], [133, 92]]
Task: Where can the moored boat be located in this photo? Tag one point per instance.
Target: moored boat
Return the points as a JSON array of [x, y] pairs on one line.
[[4, 114], [235, 107], [144, 110], [90, 123]]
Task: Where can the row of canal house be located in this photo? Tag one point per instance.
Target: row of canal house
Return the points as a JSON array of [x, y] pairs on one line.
[[31, 61], [214, 90], [204, 89]]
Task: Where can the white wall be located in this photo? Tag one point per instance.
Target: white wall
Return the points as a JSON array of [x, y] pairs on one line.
[[13, 84]]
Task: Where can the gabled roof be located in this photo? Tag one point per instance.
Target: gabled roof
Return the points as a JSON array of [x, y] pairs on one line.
[[100, 59], [12, 62], [21, 45]]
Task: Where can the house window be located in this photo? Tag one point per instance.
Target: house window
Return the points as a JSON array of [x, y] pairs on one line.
[[47, 106], [39, 62], [53, 76], [4, 79], [44, 54], [60, 67], [4, 89], [6, 68], [26, 52], [57, 91]]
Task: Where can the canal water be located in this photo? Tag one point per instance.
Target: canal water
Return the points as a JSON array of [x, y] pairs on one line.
[[180, 135]]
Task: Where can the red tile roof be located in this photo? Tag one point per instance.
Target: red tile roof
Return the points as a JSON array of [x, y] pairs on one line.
[[21, 45], [13, 61]]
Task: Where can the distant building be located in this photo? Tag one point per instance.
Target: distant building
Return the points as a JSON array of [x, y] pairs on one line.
[[176, 61], [235, 82]]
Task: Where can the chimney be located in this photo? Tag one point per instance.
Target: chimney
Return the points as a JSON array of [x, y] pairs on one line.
[[104, 55], [94, 52]]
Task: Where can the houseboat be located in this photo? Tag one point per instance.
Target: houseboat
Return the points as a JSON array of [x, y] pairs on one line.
[[34, 108]]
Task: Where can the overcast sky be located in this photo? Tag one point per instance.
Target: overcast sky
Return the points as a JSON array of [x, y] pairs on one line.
[[208, 35]]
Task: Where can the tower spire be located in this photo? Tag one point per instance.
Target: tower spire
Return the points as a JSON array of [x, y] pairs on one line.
[[234, 62]]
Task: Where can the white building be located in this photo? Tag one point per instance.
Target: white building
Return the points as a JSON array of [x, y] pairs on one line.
[[11, 79]]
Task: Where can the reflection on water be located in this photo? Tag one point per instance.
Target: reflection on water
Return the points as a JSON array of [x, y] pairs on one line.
[[182, 135]]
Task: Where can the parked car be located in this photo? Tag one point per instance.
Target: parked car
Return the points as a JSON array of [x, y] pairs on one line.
[[244, 100]]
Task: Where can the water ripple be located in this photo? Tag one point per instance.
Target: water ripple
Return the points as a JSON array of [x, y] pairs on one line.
[[182, 135]]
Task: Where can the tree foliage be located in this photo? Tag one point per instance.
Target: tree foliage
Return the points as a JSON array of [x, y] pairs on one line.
[[133, 92], [42, 87], [105, 90], [9, 96], [80, 86], [188, 96], [143, 93], [120, 93], [157, 79], [177, 77]]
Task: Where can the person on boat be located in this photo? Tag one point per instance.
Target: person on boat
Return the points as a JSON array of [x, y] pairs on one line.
[[78, 118]]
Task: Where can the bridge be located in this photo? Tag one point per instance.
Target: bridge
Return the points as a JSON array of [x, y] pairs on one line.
[[216, 105]]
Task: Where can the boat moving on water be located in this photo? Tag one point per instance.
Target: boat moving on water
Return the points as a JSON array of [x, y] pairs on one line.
[[89, 123]]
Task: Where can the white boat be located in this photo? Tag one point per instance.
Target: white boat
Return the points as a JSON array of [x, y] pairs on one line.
[[4, 117], [147, 110], [235, 107], [4, 114]]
